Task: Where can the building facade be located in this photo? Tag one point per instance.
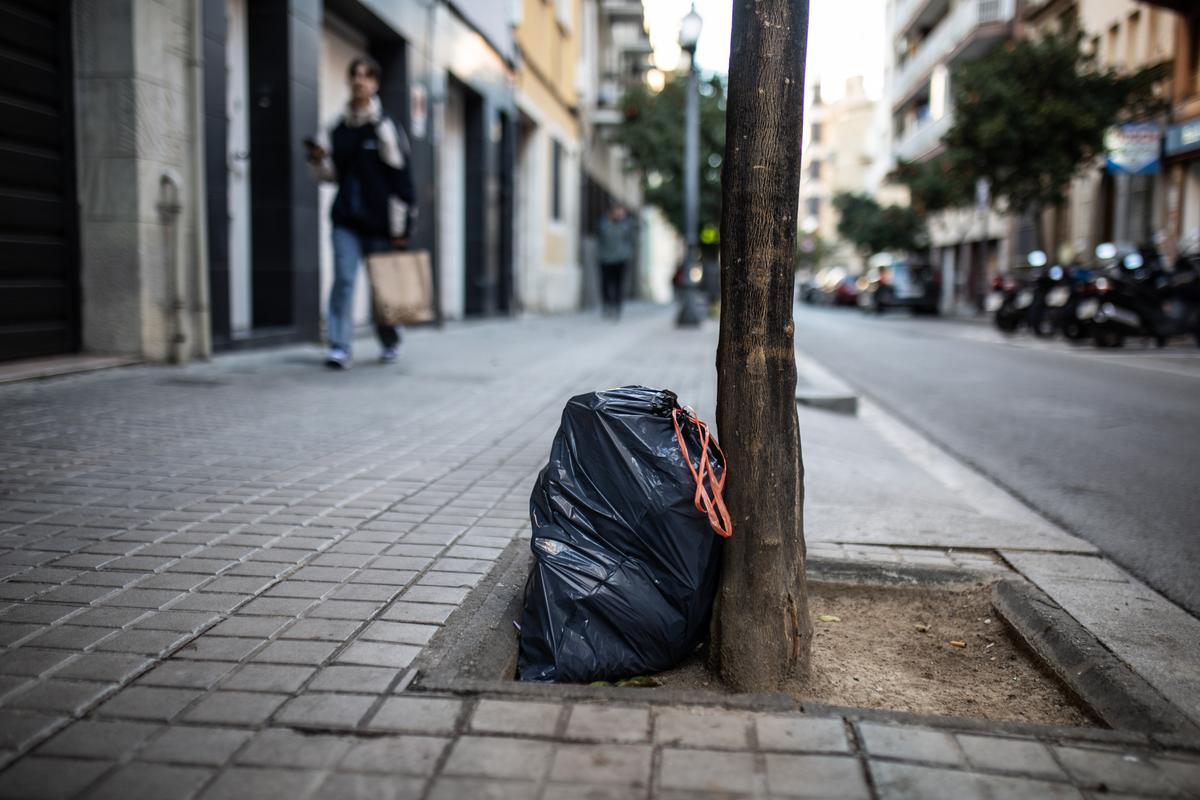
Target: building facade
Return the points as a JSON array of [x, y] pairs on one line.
[[1103, 206], [157, 203], [1181, 147], [839, 149], [928, 38]]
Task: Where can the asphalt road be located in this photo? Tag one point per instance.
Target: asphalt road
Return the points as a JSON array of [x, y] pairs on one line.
[[1104, 443]]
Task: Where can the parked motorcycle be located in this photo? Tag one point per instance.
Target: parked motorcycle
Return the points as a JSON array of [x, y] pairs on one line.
[[1137, 296]]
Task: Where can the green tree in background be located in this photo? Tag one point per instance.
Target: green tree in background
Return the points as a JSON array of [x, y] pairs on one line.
[[872, 228], [1032, 114], [937, 184], [652, 131]]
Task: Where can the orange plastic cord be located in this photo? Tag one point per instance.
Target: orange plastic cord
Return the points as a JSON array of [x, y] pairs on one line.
[[712, 506]]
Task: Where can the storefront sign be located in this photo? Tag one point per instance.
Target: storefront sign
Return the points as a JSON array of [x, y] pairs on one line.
[[1183, 137], [1134, 148]]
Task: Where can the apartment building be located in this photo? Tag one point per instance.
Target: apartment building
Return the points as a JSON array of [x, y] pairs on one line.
[[928, 38], [1104, 203]]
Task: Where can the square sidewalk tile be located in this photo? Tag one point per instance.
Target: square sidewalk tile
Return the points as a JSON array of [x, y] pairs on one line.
[[798, 733], [996, 754], [702, 727], [816, 776], [268, 678], [325, 710], [514, 716], [278, 747], [488, 757], [417, 714], [403, 755], [366, 680], [235, 708], [379, 654], [140, 781], [623, 764], [148, 703], [362, 786], [256, 783], [90, 738], [707, 771], [604, 723], [911, 743], [186, 744], [39, 777], [447, 788]]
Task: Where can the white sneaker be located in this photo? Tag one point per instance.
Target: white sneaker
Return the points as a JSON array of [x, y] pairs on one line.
[[389, 355], [337, 358]]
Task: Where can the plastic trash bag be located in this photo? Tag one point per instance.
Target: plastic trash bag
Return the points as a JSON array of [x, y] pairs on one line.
[[625, 539]]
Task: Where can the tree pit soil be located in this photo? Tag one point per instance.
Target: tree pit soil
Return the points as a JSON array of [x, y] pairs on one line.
[[898, 649]]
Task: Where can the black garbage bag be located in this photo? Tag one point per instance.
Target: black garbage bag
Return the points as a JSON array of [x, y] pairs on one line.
[[625, 539]]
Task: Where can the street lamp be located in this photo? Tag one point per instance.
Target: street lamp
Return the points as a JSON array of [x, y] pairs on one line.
[[691, 308]]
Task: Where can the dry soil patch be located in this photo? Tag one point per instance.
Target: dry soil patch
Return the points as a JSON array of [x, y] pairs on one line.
[[898, 649]]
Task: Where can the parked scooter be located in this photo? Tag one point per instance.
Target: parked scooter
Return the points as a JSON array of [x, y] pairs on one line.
[[1136, 296], [1012, 300]]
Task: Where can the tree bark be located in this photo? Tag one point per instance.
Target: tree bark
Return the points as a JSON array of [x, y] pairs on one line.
[[761, 631]]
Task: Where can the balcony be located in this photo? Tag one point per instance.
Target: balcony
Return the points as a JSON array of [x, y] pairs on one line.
[[921, 142], [969, 28], [622, 8]]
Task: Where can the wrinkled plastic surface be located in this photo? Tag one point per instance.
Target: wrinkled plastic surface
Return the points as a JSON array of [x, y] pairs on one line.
[[626, 566]]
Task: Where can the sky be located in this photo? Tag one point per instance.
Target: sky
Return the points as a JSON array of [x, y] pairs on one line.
[[845, 39]]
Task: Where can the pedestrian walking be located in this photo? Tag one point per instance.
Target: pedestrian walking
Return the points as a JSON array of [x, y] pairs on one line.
[[615, 246], [366, 154]]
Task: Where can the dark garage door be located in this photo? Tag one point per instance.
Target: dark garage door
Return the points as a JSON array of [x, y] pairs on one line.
[[38, 269]]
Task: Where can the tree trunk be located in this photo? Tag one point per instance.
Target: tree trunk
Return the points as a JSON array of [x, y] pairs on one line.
[[761, 631]]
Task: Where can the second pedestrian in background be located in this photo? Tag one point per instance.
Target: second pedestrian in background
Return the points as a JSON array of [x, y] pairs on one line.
[[366, 153], [615, 245]]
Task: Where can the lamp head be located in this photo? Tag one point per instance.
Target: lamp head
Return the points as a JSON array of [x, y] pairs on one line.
[[689, 30]]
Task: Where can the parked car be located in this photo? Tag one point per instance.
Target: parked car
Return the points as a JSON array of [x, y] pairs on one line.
[[899, 283], [830, 286]]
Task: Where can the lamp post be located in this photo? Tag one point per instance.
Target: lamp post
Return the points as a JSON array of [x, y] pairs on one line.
[[691, 309]]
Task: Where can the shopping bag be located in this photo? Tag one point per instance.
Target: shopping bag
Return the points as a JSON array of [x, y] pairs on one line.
[[401, 287]]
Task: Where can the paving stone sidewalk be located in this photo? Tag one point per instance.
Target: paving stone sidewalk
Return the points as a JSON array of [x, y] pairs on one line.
[[213, 580]]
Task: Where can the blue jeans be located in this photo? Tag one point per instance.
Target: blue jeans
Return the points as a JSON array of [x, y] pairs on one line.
[[349, 248]]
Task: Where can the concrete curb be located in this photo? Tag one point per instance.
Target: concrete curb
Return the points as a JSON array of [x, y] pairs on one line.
[[1105, 683], [475, 654], [819, 388]]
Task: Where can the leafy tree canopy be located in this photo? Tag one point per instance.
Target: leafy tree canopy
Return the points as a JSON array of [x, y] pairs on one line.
[[872, 228], [1031, 114], [937, 184], [652, 131]]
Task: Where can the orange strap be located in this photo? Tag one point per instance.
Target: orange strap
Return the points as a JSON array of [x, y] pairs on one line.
[[712, 506]]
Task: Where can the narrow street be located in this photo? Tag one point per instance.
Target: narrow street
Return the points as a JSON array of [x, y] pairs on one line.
[[1103, 443]]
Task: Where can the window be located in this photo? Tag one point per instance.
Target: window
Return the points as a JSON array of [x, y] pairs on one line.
[[814, 207], [814, 169], [816, 133], [1114, 34], [556, 156], [1131, 39]]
